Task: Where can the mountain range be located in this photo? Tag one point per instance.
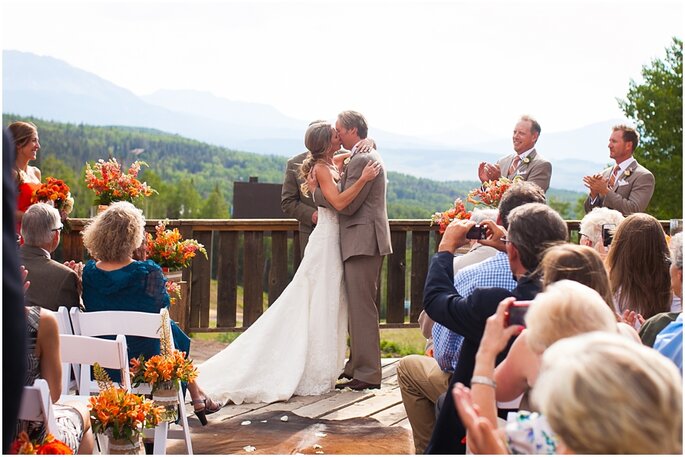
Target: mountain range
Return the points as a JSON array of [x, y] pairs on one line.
[[51, 89]]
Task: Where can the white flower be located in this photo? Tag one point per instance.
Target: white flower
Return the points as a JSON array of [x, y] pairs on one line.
[[245, 422], [249, 448], [284, 419], [526, 160]]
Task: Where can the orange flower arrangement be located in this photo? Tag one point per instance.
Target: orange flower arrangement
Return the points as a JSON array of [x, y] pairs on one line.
[[55, 191], [118, 412], [174, 291], [491, 192], [49, 446], [457, 211], [168, 248], [111, 184]]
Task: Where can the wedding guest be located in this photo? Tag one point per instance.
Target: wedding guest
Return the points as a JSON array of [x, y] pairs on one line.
[[525, 162], [591, 228], [43, 361], [116, 282], [54, 284], [626, 187], [27, 177], [638, 264]]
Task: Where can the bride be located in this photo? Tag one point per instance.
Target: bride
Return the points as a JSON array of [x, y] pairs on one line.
[[297, 347]]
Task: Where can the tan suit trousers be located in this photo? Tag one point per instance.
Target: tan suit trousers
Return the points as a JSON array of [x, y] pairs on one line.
[[421, 383]]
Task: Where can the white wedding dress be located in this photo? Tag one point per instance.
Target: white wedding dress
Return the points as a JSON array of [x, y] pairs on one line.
[[297, 347]]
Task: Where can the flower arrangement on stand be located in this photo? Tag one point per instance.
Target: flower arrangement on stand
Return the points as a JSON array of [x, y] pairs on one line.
[[491, 192], [55, 192], [169, 250], [457, 211], [111, 184], [164, 372], [120, 415], [48, 446], [174, 290]]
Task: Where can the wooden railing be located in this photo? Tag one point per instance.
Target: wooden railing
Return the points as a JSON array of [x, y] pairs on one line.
[[259, 257]]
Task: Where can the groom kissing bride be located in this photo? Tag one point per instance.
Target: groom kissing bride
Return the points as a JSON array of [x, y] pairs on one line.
[[297, 347]]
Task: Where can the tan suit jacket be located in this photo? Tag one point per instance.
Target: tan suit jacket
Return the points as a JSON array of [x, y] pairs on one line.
[[631, 194], [52, 284], [294, 203], [538, 170]]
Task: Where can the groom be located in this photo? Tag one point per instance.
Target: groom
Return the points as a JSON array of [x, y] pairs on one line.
[[364, 240]]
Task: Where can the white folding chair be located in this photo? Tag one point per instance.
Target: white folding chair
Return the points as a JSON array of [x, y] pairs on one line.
[[36, 405], [134, 323], [64, 324]]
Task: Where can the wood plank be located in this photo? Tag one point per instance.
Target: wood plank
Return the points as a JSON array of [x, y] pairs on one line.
[[419, 270], [380, 401], [227, 280], [278, 273], [397, 267], [253, 265], [333, 403], [391, 415]]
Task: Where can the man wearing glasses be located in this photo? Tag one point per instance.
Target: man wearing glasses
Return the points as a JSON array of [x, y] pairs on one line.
[[52, 284]]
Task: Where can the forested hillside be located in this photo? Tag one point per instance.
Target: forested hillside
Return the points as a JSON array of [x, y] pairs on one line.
[[195, 179]]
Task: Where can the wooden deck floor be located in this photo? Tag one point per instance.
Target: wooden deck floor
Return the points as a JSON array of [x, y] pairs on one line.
[[383, 405]]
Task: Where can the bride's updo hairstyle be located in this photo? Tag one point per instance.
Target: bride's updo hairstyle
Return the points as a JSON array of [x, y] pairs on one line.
[[317, 140]]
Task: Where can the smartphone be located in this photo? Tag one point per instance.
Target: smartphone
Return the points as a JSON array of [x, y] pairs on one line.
[[516, 313], [477, 232], [608, 233]]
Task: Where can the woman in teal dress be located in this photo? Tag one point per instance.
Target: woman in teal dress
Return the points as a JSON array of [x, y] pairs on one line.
[[117, 282]]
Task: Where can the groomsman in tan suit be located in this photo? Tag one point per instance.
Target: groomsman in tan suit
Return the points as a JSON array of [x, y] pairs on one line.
[[525, 162], [626, 187], [294, 203], [364, 240]]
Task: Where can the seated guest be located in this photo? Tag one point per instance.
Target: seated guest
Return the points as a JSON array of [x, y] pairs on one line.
[[43, 361], [591, 228], [599, 394], [467, 315], [54, 284], [669, 342], [638, 264], [116, 282], [657, 323]]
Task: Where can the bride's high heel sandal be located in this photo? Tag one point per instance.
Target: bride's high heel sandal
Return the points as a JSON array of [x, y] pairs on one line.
[[210, 408]]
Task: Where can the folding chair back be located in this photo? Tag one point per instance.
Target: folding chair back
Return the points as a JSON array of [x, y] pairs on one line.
[[87, 351], [36, 405], [64, 325]]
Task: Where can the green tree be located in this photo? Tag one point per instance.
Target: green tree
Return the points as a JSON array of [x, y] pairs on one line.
[[215, 207], [656, 106]]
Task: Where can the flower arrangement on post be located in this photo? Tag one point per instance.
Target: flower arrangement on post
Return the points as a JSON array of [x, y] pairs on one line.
[[49, 446], [110, 184], [56, 192], [174, 290], [164, 372], [168, 248], [120, 414], [491, 192], [457, 211]]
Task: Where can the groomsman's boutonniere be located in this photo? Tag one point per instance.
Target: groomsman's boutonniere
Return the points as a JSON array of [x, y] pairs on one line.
[[626, 173], [526, 160], [346, 161]]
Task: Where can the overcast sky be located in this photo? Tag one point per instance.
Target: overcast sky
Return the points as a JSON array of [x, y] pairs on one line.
[[411, 67]]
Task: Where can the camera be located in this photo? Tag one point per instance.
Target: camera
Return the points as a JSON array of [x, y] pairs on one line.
[[608, 233], [516, 313], [477, 232]]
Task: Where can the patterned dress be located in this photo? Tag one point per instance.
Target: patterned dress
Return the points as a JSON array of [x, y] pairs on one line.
[[69, 421]]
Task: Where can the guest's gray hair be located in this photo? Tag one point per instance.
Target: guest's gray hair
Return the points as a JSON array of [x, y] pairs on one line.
[[115, 233], [479, 215], [591, 224], [676, 248], [534, 227], [38, 224]]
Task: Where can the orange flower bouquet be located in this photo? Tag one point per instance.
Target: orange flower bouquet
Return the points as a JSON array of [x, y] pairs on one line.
[[120, 414], [49, 446], [174, 291], [491, 192], [457, 211], [169, 250], [111, 184], [56, 192]]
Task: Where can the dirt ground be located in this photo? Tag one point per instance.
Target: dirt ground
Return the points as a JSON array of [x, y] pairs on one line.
[[201, 350]]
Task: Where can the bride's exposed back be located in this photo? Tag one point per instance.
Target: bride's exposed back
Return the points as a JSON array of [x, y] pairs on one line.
[[297, 347]]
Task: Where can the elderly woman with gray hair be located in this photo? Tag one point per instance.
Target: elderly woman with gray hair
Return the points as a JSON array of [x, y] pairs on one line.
[[114, 281], [591, 228]]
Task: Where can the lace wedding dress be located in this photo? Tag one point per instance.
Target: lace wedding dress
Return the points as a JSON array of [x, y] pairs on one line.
[[297, 347]]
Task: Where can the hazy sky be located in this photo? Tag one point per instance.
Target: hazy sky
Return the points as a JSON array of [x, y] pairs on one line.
[[411, 67]]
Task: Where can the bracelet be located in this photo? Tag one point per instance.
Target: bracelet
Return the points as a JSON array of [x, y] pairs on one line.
[[484, 380]]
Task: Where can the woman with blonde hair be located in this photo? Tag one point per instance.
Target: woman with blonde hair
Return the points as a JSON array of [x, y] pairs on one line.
[[638, 265], [114, 281], [297, 347], [25, 135]]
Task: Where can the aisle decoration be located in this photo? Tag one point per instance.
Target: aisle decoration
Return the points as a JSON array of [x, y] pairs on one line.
[[48, 446], [169, 250], [111, 184]]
